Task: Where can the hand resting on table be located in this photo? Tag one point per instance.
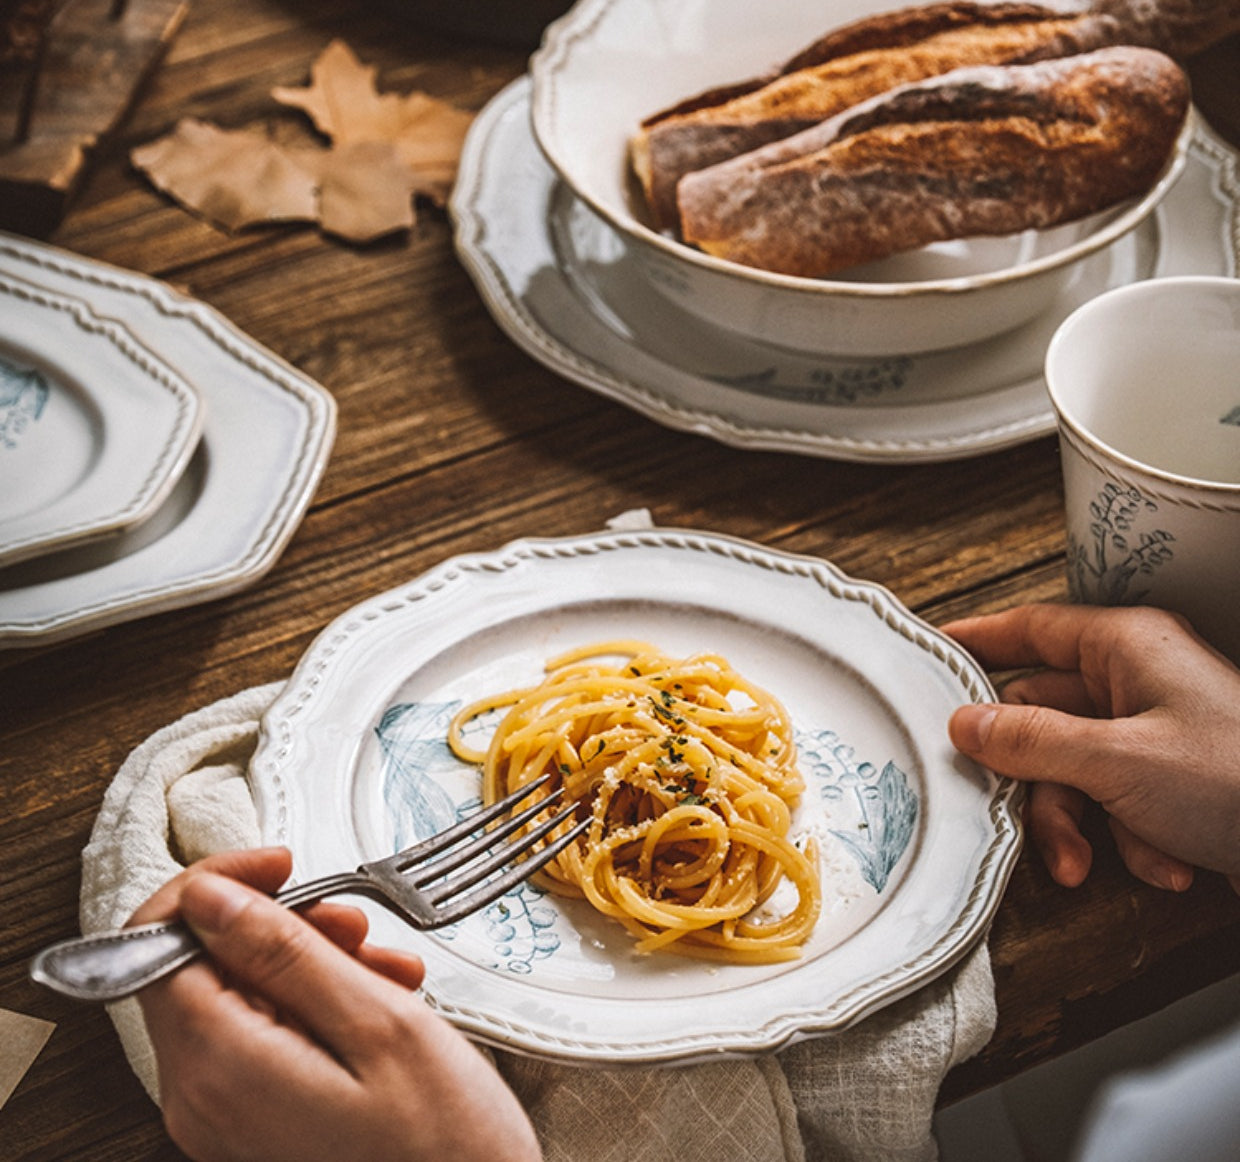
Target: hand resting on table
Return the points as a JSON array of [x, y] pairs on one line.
[[1127, 707], [299, 1040]]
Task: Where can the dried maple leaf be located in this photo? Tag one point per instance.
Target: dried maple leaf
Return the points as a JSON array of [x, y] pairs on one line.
[[384, 149], [343, 102], [234, 177], [364, 191]]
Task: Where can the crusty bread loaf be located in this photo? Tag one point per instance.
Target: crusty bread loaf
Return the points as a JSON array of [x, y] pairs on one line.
[[979, 150], [848, 66]]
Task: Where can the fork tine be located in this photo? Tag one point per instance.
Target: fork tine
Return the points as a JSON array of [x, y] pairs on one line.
[[440, 840], [450, 913], [501, 854], [434, 868]]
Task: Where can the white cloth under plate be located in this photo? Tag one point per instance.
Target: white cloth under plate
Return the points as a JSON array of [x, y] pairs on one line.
[[866, 1093]]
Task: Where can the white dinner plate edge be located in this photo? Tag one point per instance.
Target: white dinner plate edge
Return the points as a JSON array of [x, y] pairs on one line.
[[178, 442], [315, 442]]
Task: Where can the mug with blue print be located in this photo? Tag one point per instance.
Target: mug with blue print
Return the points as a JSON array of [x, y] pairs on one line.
[[1145, 381]]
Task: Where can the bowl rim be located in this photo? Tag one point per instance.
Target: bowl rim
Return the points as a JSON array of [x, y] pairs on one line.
[[1094, 446], [554, 50]]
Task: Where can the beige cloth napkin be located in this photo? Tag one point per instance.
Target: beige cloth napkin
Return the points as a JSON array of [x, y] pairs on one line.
[[866, 1093]]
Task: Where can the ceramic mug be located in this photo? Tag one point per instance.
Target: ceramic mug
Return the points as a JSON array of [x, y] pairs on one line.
[[1145, 382]]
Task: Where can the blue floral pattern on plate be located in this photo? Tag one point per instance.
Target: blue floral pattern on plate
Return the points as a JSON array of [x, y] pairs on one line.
[[417, 764], [23, 396], [836, 384]]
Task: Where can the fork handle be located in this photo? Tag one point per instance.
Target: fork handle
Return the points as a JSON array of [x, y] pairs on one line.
[[112, 965]]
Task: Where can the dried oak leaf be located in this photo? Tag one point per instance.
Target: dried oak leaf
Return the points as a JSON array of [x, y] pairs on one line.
[[345, 105], [234, 177]]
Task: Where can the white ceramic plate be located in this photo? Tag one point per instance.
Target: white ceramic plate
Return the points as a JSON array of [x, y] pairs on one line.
[[94, 429], [265, 442], [552, 275], [917, 841]]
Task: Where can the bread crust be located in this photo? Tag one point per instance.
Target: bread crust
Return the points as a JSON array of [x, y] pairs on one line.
[[850, 65], [979, 150], [860, 60]]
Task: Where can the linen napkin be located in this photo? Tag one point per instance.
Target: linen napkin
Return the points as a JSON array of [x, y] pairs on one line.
[[865, 1093]]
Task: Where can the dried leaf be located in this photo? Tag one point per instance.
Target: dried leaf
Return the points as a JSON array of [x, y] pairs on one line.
[[341, 95], [430, 144], [384, 149], [364, 192], [234, 177], [345, 105]]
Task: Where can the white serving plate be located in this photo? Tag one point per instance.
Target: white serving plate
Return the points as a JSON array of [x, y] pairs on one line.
[[555, 277], [94, 429], [265, 442], [608, 64], [918, 841]]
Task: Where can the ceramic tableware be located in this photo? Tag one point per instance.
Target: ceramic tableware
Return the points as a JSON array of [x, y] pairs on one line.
[[557, 279], [917, 842], [95, 429], [609, 64], [266, 438], [1146, 385]]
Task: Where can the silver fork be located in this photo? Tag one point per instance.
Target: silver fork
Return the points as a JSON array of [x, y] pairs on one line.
[[110, 965]]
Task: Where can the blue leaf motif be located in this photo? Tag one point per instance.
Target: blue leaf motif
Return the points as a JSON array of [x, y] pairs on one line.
[[23, 396], [1104, 568], [886, 805], [413, 737], [889, 815]]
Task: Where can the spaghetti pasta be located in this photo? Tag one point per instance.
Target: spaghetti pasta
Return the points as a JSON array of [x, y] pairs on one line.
[[688, 772]]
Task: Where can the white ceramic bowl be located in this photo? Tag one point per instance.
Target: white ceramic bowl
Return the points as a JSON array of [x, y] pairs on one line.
[[608, 64]]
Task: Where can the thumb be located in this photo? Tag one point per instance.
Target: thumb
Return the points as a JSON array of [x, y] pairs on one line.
[[1036, 743], [266, 949]]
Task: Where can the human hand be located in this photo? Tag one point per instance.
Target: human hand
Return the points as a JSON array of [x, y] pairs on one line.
[[1131, 709], [297, 1040]]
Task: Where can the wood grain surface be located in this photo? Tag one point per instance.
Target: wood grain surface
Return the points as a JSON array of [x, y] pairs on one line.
[[451, 440]]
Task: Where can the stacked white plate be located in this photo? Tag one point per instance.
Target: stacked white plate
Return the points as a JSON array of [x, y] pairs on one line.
[[151, 455]]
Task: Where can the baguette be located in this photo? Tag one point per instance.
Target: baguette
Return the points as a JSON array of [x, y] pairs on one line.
[[850, 65], [979, 150]]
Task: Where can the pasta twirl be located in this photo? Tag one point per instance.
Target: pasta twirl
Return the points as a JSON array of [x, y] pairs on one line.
[[688, 772]]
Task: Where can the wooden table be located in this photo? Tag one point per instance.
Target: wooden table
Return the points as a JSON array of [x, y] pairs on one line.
[[451, 440]]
